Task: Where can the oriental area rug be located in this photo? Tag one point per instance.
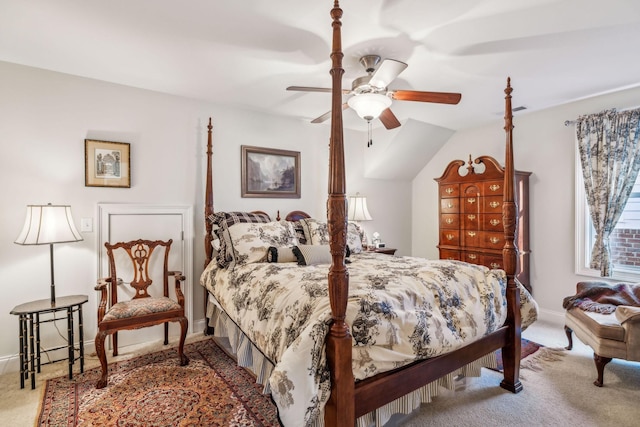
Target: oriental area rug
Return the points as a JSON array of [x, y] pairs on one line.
[[531, 354], [154, 390]]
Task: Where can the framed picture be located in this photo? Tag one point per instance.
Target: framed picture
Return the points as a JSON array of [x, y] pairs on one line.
[[268, 172], [107, 164]]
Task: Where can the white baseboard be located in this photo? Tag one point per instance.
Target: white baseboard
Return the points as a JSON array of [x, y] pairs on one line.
[[550, 316]]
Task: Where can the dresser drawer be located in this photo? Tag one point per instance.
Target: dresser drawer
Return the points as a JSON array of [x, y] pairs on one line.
[[471, 204], [472, 257], [450, 221], [449, 190], [471, 221], [493, 240], [450, 254], [492, 188], [472, 238], [492, 222], [492, 204], [493, 261], [450, 237], [449, 206]]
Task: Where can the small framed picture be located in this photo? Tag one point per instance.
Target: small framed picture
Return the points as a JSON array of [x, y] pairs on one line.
[[269, 172], [107, 164]]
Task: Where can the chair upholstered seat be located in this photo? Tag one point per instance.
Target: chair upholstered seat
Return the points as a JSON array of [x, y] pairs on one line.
[[611, 336], [140, 307]]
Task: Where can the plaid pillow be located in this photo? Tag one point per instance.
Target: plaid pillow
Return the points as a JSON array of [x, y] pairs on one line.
[[222, 221]]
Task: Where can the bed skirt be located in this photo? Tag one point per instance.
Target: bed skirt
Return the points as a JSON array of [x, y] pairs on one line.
[[249, 357]]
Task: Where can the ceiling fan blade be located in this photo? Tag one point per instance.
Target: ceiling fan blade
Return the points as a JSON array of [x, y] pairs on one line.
[[326, 115], [414, 95], [315, 89], [386, 73], [388, 119]]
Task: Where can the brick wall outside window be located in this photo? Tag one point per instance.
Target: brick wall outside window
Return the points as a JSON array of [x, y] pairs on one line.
[[625, 247]]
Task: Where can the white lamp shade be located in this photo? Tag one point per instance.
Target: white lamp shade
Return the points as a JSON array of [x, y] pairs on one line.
[[358, 208], [46, 224], [369, 106]]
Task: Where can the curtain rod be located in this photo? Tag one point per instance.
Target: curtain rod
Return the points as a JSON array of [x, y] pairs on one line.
[[573, 122]]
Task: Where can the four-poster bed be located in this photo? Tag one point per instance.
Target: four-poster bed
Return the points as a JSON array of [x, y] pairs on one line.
[[350, 382]]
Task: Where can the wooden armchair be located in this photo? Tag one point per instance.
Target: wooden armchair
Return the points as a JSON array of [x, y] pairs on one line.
[[143, 309]]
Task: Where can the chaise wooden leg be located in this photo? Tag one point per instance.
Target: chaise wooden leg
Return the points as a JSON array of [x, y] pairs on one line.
[[100, 351], [184, 324], [600, 364], [569, 331]]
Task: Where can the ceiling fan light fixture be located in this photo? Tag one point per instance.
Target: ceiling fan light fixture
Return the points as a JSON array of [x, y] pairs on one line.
[[369, 106]]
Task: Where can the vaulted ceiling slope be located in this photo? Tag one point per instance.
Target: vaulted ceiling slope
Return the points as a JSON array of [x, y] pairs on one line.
[[246, 53]]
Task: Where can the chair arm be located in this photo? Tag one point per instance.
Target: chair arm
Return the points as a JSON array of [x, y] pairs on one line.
[[629, 317], [178, 280], [628, 313], [103, 287]]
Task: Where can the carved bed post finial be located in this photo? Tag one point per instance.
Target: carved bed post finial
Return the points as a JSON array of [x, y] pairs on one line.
[[340, 409]]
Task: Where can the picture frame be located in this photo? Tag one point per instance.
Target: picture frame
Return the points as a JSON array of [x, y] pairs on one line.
[[270, 172], [107, 164]]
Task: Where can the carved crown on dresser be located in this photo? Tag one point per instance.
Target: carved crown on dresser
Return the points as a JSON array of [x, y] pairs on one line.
[[471, 228]]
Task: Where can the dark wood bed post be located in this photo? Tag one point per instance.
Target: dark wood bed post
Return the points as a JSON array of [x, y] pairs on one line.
[[208, 210], [511, 352], [340, 409]]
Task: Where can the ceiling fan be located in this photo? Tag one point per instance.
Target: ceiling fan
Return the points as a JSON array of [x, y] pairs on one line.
[[371, 98]]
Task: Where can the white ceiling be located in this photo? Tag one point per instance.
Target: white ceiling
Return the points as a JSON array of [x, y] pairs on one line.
[[245, 53]]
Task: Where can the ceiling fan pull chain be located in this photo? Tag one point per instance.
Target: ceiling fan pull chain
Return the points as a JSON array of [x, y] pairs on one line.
[[369, 132]]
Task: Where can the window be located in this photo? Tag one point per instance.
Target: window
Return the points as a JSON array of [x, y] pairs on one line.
[[624, 240]]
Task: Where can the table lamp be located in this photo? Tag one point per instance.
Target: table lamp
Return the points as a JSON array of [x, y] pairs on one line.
[[358, 212], [46, 225]]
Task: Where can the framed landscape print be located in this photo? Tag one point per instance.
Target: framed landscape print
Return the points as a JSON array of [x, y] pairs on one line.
[[107, 164], [269, 172]]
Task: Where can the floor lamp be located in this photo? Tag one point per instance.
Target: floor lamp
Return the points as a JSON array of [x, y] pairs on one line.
[[46, 225]]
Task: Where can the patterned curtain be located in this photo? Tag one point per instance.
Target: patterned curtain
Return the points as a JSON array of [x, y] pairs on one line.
[[610, 157]]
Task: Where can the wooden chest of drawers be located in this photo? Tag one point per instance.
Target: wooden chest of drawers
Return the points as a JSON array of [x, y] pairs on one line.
[[471, 228]]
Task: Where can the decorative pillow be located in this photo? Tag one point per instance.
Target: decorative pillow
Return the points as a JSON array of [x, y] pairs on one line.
[[315, 232], [299, 227], [281, 255], [312, 254], [251, 241], [221, 222], [354, 238]]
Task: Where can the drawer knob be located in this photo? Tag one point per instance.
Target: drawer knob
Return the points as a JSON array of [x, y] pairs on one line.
[[472, 233], [449, 220], [471, 217], [494, 187], [450, 236], [471, 200], [449, 190], [494, 222], [473, 256], [494, 240], [494, 204]]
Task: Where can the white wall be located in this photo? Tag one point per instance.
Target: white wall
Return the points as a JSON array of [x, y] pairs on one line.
[[542, 145], [44, 119]]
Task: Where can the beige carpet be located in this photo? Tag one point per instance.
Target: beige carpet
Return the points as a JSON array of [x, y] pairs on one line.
[[560, 393]]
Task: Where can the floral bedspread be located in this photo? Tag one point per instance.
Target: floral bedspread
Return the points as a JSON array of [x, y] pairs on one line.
[[400, 309]]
